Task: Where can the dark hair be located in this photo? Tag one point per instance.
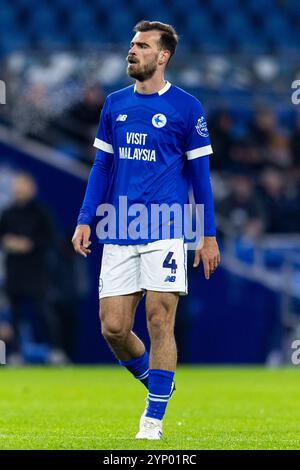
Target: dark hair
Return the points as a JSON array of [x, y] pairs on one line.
[[168, 38]]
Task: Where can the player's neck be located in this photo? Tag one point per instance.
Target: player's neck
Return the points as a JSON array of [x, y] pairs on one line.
[[153, 85]]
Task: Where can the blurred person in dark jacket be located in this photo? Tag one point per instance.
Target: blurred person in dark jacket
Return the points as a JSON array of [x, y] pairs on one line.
[[26, 236], [70, 288]]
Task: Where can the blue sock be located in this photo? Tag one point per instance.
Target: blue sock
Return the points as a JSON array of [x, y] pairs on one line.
[[139, 367], [160, 385]]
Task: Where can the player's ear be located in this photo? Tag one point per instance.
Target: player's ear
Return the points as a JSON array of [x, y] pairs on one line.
[[164, 56]]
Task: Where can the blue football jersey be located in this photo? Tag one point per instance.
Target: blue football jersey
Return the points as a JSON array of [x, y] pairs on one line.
[[150, 138]]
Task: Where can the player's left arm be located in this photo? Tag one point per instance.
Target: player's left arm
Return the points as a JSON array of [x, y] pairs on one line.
[[197, 149], [208, 250], [210, 255]]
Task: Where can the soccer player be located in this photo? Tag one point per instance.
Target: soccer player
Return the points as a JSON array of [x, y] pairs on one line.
[[151, 141]]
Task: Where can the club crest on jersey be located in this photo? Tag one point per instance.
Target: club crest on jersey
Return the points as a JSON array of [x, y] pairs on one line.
[[159, 120], [201, 127]]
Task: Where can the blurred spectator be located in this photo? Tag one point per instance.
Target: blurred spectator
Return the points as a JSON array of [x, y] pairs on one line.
[[27, 235], [70, 286], [30, 113], [282, 209], [295, 144], [241, 212], [278, 150], [79, 123], [6, 330], [263, 127], [264, 143], [221, 131], [250, 153], [84, 116]]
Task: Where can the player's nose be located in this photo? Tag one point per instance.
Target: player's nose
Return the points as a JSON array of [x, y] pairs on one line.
[[132, 49]]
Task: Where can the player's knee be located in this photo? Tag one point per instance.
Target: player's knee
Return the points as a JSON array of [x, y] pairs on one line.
[[114, 333], [113, 330], [158, 321], [113, 327]]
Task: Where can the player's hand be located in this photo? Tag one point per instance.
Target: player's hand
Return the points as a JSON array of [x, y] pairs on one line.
[[81, 240], [210, 255]]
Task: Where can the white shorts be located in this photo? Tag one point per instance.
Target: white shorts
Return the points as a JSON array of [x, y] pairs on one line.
[[159, 266]]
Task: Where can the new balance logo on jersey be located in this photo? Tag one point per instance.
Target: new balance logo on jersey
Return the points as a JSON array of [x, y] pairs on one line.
[[170, 279], [122, 117]]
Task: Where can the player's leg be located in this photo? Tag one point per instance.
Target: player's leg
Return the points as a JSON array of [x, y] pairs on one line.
[[161, 311], [164, 278], [120, 293], [117, 319]]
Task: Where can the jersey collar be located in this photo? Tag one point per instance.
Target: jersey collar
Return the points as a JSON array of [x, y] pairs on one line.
[[160, 92]]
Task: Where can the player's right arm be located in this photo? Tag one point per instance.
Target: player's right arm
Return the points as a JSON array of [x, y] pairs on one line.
[[97, 184]]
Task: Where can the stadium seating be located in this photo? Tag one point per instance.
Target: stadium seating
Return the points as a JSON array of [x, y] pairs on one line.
[[220, 26]]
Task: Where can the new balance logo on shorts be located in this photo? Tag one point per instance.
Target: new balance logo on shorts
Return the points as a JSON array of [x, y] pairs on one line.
[[170, 279]]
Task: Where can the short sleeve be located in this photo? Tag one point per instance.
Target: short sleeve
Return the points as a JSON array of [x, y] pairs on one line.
[[197, 142], [103, 140]]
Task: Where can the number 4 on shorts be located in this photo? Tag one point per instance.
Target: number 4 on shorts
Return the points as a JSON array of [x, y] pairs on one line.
[[170, 263]]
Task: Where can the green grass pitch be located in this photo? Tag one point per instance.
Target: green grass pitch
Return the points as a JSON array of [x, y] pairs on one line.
[[99, 408]]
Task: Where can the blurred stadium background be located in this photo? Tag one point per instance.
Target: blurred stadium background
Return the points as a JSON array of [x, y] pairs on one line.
[[58, 60]]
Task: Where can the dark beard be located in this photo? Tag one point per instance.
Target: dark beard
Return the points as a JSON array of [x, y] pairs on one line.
[[142, 75]]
